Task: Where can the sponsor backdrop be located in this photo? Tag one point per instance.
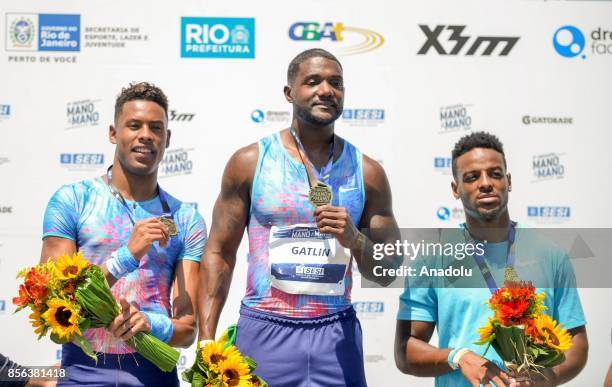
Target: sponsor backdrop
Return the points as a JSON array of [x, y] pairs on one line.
[[418, 76]]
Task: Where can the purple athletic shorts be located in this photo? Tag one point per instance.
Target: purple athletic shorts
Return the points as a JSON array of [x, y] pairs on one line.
[[303, 352], [129, 370]]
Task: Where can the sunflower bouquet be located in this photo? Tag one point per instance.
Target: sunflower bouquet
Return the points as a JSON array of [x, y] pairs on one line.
[[220, 364], [527, 339], [68, 296]]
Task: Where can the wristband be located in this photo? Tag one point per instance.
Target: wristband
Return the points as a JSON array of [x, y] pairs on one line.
[[455, 355], [203, 343], [121, 262], [161, 325]]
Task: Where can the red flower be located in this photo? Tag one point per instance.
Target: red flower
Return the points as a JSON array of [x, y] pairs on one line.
[[24, 297], [34, 288]]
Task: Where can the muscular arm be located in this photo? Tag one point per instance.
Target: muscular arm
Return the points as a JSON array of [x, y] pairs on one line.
[[413, 353], [54, 247], [230, 216], [184, 291], [377, 221]]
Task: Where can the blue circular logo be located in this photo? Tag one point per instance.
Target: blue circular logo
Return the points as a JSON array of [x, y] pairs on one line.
[[569, 41], [257, 116], [443, 213]]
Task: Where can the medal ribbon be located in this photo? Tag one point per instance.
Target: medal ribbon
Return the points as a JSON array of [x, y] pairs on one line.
[[480, 261], [325, 173], [166, 213]]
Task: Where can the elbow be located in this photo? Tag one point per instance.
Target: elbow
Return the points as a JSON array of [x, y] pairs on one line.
[[402, 362], [184, 337]]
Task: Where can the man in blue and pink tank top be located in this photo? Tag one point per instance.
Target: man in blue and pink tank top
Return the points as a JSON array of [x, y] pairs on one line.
[[303, 194], [145, 241]]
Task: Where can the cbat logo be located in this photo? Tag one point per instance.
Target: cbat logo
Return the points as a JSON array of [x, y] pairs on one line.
[[569, 42], [43, 32], [434, 42], [215, 37], [351, 40], [82, 158]]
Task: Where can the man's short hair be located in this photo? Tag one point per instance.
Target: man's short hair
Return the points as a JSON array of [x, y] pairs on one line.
[[141, 91], [294, 66], [476, 140]]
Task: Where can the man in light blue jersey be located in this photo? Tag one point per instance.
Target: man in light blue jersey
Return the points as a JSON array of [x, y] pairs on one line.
[[147, 243], [303, 194], [482, 184]]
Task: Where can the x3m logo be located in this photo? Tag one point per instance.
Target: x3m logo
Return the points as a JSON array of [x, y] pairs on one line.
[[492, 42]]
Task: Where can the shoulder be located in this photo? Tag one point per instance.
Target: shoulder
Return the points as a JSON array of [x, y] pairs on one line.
[[78, 191], [374, 175], [242, 165]]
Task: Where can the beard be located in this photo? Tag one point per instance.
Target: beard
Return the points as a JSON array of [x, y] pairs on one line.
[[306, 115]]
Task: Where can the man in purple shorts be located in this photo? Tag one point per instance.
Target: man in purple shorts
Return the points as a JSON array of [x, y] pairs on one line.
[[146, 242], [303, 193]]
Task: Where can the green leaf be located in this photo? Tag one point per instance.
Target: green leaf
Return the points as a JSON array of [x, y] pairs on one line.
[[187, 375], [262, 383], [198, 380], [250, 362], [232, 332], [85, 346], [57, 340]]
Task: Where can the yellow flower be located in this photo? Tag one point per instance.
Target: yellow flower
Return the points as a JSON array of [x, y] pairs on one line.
[[215, 352], [486, 331], [62, 317], [234, 372], [554, 335], [68, 267], [37, 321]]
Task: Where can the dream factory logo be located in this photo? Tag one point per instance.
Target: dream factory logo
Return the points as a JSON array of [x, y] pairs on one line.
[[569, 41], [348, 40], [258, 116], [434, 39], [445, 213]]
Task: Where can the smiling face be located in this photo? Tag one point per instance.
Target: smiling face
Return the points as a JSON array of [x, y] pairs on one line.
[[317, 92], [482, 184], [141, 135]]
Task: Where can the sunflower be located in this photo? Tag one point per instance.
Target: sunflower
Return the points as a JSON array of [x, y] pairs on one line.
[[486, 332], [234, 372], [37, 322], [67, 267], [62, 317], [215, 352], [553, 334]]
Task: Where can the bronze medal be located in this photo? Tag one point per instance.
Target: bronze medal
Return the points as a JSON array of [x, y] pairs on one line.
[[320, 194], [172, 230]]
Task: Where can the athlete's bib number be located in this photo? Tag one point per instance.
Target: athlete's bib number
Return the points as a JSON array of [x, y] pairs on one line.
[[303, 260]]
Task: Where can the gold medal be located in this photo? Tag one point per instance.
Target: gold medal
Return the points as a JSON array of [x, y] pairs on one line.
[[510, 275], [172, 230], [320, 194]]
